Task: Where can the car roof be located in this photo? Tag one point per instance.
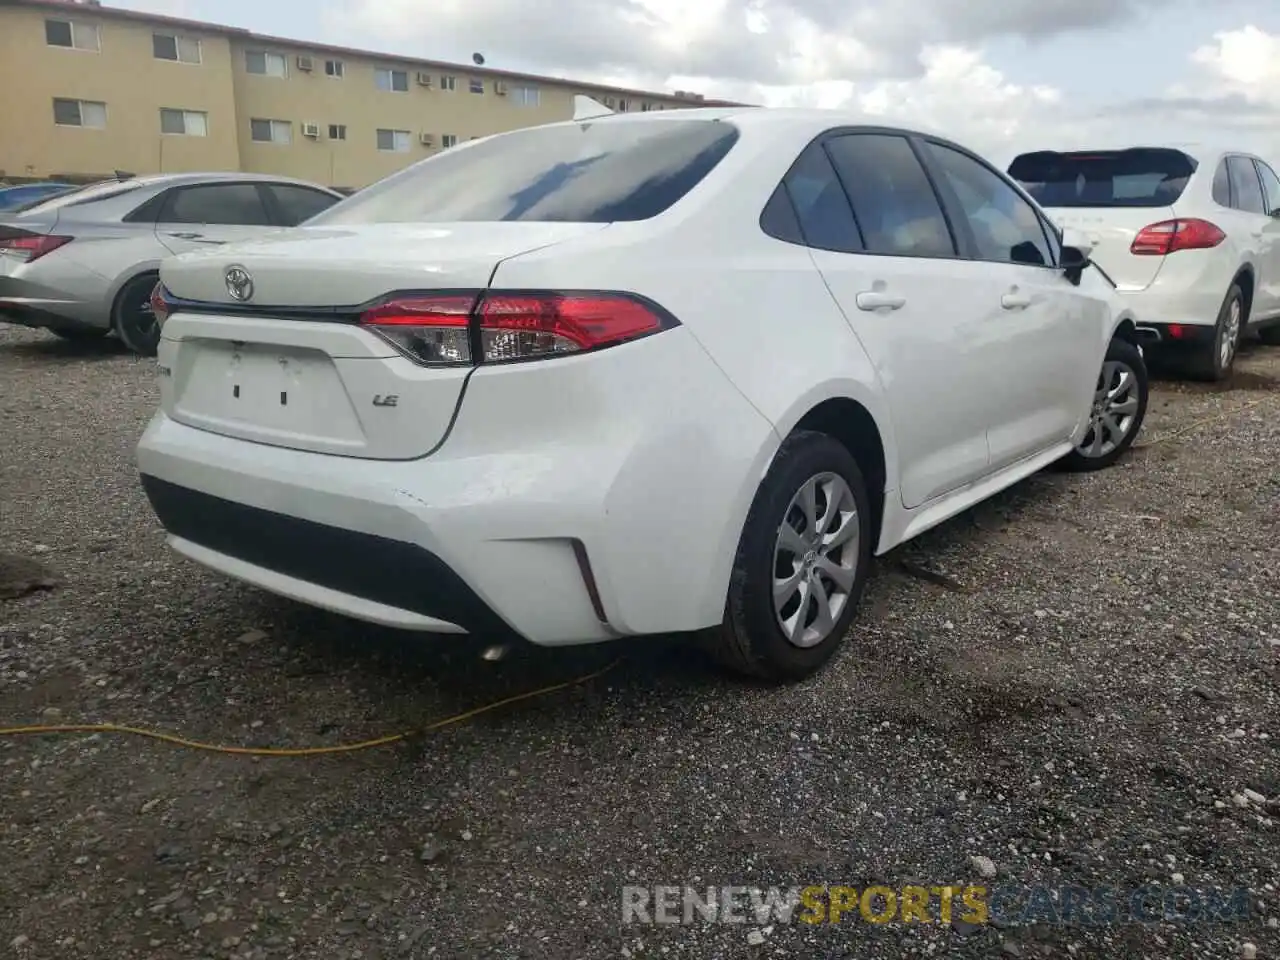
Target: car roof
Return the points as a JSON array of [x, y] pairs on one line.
[[179, 179], [775, 117], [799, 120]]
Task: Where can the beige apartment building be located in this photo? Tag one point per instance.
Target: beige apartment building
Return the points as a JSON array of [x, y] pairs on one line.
[[90, 90]]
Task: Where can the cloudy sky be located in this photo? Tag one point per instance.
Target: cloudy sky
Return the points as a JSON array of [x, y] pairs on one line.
[[999, 75]]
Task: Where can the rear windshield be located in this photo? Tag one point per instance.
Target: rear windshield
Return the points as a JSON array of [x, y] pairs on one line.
[[1145, 177], [76, 196], [593, 172]]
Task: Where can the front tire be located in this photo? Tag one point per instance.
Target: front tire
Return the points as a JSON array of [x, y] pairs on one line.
[[132, 318], [1213, 361], [1119, 407], [801, 564]]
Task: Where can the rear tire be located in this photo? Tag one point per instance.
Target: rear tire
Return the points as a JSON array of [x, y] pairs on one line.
[[1119, 407], [1213, 362], [131, 315], [807, 540]]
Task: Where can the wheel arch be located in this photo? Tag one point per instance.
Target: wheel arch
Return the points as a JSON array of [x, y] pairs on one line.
[[858, 418], [1246, 278], [126, 278]]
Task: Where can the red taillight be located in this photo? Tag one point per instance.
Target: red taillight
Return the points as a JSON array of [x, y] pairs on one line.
[[1168, 236], [429, 329], [159, 305], [33, 247], [441, 329]]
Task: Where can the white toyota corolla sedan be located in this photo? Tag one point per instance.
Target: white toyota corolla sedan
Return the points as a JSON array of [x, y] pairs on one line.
[[678, 371]]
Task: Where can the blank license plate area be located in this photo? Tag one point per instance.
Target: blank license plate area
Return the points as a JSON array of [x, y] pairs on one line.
[[273, 393]]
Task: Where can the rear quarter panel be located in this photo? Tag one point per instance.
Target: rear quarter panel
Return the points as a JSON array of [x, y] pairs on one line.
[[759, 310]]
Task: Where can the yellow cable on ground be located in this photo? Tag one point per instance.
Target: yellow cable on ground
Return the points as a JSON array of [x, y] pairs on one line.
[[297, 751], [1221, 415]]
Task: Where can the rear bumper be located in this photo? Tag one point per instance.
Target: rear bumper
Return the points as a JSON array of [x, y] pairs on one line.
[[1187, 292], [401, 584], [1173, 336], [619, 517], [32, 303]]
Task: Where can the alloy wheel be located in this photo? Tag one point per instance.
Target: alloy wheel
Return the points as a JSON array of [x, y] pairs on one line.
[[1114, 411], [1230, 334], [815, 559]]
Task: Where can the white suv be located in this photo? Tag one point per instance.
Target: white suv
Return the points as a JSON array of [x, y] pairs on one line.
[[644, 374], [1189, 236]]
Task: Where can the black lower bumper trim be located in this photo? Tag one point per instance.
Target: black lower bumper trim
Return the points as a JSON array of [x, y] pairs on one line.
[[1188, 334], [385, 571]]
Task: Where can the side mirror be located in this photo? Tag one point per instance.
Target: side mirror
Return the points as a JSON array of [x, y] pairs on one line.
[[1076, 248], [1075, 244]]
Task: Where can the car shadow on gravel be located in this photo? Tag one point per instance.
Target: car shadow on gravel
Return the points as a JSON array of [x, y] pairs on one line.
[[56, 348], [1170, 379], [398, 680]]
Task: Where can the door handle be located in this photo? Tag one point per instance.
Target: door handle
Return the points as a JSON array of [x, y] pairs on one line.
[[878, 300], [1015, 301]]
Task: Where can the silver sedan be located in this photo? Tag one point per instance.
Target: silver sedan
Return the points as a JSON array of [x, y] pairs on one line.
[[83, 264]]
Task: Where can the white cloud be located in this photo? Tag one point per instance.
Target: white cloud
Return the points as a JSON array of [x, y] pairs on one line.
[[746, 41], [915, 61], [1247, 61]]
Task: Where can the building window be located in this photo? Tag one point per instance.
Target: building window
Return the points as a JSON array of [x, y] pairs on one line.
[[271, 131], [79, 113], [337, 131], [448, 83], [525, 96], [448, 140], [167, 46], [187, 123], [393, 141], [477, 86], [265, 64], [334, 68], [73, 34], [646, 107], [396, 81], [623, 105]]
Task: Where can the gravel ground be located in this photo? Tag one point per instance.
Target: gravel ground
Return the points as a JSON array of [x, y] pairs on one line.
[[1083, 696]]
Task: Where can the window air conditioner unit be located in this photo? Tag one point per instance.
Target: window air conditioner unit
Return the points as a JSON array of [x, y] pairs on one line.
[[305, 64], [426, 139], [311, 130], [500, 88], [424, 78]]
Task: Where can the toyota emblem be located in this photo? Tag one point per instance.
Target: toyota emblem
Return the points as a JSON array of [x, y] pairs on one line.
[[239, 283]]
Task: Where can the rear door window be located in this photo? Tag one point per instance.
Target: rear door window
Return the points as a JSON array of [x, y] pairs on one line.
[[296, 204], [894, 203], [1222, 184], [225, 204], [1270, 186], [1142, 177], [820, 205], [598, 171], [1245, 186]]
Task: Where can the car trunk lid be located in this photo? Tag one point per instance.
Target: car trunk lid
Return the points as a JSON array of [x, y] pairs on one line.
[[1109, 196], [289, 364], [1112, 230]]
